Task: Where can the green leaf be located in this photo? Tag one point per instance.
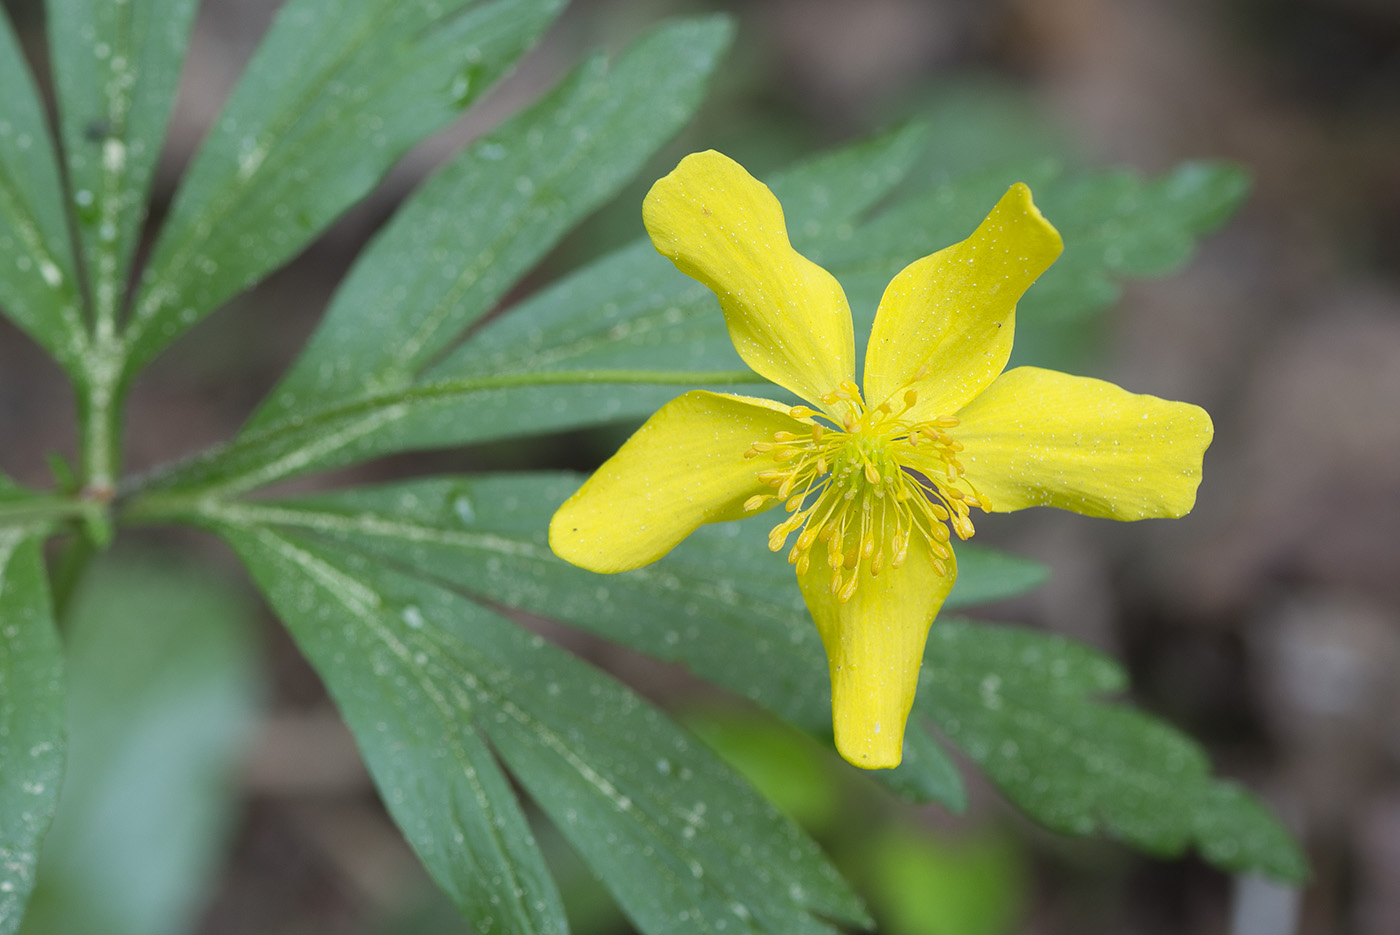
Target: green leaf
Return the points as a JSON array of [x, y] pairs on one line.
[[1025, 707], [662, 823], [484, 220], [631, 309], [334, 95], [38, 286], [413, 713], [1114, 224], [163, 674], [558, 360], [1118, 224], [471, 409], [31, 718], [116, 68], [741, 622]]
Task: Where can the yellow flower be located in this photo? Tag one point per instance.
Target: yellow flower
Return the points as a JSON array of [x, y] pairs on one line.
[[872, 480]]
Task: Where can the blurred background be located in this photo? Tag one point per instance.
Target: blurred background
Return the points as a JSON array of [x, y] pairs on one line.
[[1266, 624]]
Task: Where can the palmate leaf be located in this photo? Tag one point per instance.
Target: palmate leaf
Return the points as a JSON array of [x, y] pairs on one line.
[[334, 95], [1027, 708], [116, 67], [38, 283], [422, 673], [32, 715], [721, 603]]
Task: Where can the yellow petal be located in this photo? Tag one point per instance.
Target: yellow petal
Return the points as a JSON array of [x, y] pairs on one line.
[[684, 467], [1041, 438], [951, 314], [787, 317], [874, 646]]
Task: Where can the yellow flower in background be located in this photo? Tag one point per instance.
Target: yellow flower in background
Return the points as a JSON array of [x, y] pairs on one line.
[[873, 478]]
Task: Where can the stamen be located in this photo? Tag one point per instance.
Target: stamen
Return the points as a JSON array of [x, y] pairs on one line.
[[859, 454]]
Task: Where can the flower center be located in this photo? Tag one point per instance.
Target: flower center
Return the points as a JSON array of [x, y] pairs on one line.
[[863, 487]]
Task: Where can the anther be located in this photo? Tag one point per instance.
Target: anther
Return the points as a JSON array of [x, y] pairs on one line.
[[872, 475], [756, 501], [835, 556]]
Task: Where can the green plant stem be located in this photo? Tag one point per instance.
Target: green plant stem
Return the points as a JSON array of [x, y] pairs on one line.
[[100, 399]]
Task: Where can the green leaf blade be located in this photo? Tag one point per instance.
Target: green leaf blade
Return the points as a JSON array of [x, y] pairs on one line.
[[310, 129], [32, 718], [632, 309], [485, 219], [643, 803], [116, 67], [1024, 707], [413, 720], [38, 280]]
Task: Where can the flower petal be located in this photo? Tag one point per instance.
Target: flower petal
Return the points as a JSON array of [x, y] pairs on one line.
[[787, 317], [684, 467], [874, 647], [951, 314], [1041, 438]]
